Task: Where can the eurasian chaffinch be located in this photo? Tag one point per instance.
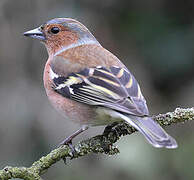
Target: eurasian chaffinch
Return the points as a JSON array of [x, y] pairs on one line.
[[91, 86]]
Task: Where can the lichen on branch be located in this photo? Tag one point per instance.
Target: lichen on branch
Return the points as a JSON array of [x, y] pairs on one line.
[[99, 144]]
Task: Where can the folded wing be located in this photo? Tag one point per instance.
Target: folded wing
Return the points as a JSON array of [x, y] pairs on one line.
[[113, 88]]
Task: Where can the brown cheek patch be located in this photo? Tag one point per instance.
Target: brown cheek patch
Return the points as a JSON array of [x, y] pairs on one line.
[[58, 41], [68, 37]]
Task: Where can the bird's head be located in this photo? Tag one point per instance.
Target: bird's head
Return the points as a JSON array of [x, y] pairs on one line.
[[60, 34]]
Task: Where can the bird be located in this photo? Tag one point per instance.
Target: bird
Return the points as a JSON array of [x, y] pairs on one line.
[[89, 85]]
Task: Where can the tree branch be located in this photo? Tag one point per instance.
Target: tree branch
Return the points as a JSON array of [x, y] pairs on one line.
[[98, 144]]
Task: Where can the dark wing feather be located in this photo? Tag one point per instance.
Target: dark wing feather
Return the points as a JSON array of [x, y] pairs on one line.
[[132, 87], [113, 88]]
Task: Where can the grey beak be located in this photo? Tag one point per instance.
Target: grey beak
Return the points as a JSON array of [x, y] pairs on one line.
[[36, 34]]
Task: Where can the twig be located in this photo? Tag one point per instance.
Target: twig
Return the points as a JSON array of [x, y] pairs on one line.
[[98, 144]]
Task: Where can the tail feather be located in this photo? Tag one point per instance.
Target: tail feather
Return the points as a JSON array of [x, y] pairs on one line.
[[152, 131]]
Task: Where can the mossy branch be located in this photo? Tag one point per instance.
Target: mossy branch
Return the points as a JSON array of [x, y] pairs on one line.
[[98, 144]]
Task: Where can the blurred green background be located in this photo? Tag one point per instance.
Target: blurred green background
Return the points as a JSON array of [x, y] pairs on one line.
[[154, 38]]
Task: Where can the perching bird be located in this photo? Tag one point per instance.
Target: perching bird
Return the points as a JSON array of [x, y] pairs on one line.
[[91, 86]]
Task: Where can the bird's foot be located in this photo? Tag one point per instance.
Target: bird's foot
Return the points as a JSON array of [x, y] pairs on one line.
[[110, 128], [68, 140]]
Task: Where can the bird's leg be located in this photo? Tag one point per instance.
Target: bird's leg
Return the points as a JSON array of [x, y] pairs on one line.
[[68, 140]]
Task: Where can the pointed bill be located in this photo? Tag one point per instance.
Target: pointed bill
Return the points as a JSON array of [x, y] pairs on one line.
[[36, 34]]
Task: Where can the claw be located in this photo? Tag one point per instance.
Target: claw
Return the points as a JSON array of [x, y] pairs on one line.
[[110, 128], [68, 140]]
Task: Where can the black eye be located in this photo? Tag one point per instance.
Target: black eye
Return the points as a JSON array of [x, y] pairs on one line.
[[55, 30]]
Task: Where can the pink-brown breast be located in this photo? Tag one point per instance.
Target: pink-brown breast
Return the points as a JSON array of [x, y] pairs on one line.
[[77, 59], [71, 110]]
